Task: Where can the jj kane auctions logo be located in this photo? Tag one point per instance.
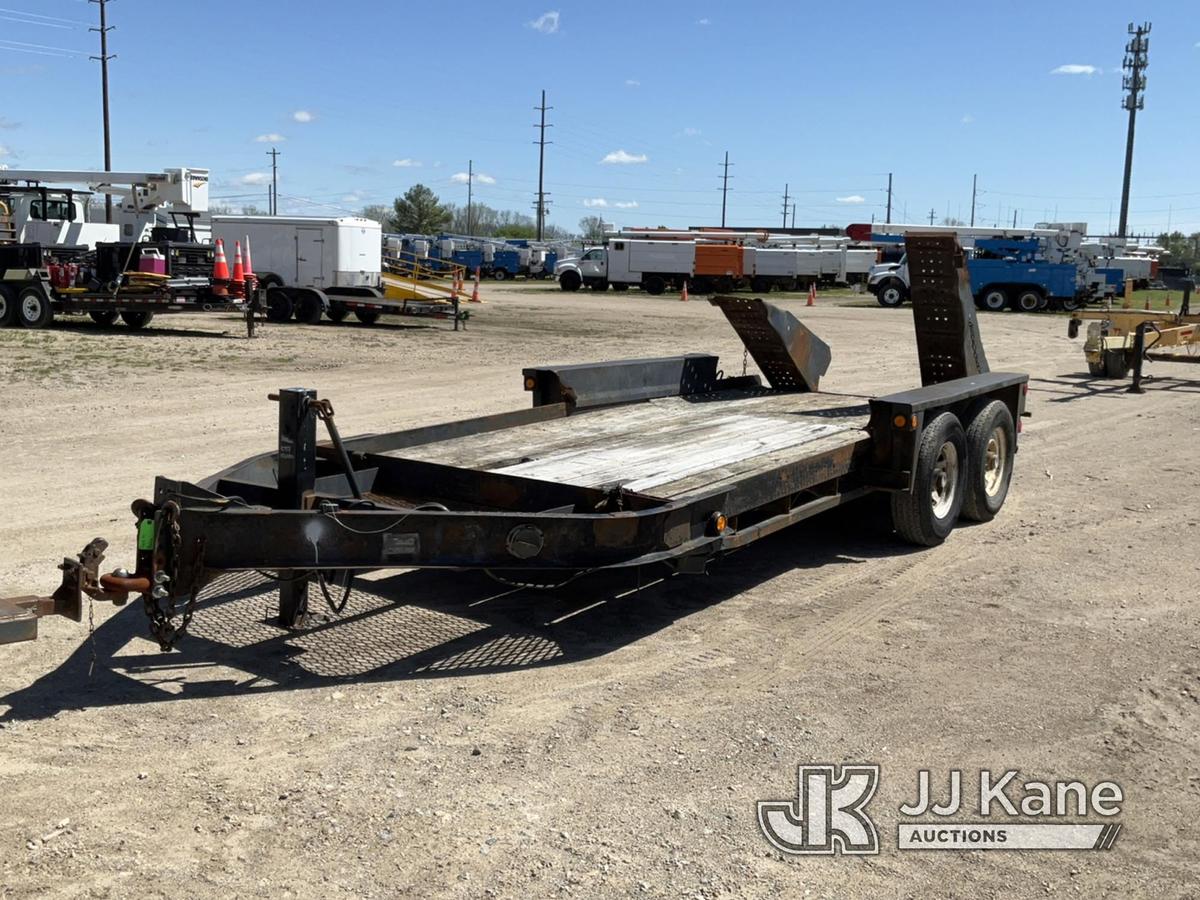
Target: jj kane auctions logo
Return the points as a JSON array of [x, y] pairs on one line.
[[829, 814]]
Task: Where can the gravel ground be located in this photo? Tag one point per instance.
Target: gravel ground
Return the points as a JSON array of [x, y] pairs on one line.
[[448, 737]]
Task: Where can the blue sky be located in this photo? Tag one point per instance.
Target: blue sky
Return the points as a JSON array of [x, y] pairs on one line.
[[365, 98]]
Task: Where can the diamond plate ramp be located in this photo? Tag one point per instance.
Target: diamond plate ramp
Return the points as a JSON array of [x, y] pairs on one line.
[[948, 341], [788, 354]]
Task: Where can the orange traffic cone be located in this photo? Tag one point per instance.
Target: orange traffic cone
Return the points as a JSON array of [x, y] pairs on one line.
[[683, 294], [812, 294], [475, 292], [237, 283], [220, 275]]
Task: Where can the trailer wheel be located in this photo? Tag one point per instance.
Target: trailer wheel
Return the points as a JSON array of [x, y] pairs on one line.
[[570, 280], [8, 306], [308, 309], [928, 513], [891, 294], [1070, 304], [136, 320], [337, 311], [654, 285], [1027, 300], [1116, 364], [34, 308], [103, 317], [279, 305], [991, 443], [994, 298], [367, 316]]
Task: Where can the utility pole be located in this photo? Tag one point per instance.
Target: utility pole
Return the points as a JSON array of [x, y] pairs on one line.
[[974, 185], [889, 204], [785, 205], [1014, 218], [793, 216], [470, 178], [1136, 59], [931, 215], [541, 142], [104, 57], [274, 204], [724, 187]]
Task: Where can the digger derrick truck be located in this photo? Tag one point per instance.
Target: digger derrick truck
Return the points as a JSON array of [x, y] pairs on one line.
[[662, 462]]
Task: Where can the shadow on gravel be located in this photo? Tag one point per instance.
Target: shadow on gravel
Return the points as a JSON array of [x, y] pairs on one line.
[[88, 327], [425, 624], [1068, 387]]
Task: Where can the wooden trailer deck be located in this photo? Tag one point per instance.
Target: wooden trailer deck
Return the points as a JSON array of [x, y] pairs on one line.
[[673, 448]]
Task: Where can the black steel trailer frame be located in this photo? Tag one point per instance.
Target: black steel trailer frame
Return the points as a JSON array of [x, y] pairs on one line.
[[314, 511]]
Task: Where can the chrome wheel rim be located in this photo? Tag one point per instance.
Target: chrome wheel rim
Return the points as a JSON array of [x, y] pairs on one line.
[[891, 296], [944, 484], [994, 301], [995, 462]]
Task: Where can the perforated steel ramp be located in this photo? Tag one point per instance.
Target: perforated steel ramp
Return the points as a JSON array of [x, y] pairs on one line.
[[788, 354], [948, 342]]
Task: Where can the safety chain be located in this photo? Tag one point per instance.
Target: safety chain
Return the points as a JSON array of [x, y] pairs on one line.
[[745, 360], [161, 617]]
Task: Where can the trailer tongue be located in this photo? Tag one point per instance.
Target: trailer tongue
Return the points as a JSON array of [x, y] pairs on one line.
[[630, 463]]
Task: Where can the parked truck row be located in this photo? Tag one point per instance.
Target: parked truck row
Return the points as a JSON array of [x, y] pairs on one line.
[[494, 258], [658, 264]]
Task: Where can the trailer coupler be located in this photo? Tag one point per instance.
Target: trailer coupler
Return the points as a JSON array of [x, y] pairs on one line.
[[19, 615]]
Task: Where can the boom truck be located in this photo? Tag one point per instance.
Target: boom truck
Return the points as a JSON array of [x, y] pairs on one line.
[[1026, 269], [54, 259]]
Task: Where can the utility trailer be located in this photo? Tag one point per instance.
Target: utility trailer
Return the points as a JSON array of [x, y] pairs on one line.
[[33, 290], [617, 464]]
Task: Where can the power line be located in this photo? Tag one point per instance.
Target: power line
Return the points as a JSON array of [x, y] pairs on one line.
[[541, 142], [1136, 59], [104, 57], [724, 187]]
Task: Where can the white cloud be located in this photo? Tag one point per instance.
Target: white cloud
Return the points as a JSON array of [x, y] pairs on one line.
[[853, 198], [621, 158], [595, 202], [967, 119], [271, 138], [704, 22], [626, 204], [353, 197], [546, 23], [303, 115], [480, 178], [1075, 69], [691, 132], [632, 82], [255, 178], [406, 163]]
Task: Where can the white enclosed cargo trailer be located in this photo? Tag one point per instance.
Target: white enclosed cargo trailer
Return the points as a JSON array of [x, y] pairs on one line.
[[305, 251]]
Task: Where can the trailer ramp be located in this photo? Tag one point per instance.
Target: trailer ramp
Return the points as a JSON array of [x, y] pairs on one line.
[[948, 341], [788, 354]]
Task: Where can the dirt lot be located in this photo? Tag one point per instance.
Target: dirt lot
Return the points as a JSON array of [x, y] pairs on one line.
[[447, 737]]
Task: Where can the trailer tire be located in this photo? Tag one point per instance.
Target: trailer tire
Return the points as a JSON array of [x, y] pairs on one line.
[[367, 316], [1116, 364], [1070, 304], [654, 285], [991, 445], [103, 317], [34, 308], [279, 305], [1028, 300], [891, 294], [993, 298], [570, 280], [337, 311], [928, 513], [137, 319], [308, 309], [8, 306]]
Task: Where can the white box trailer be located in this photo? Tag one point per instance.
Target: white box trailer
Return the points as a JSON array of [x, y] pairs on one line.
[[312, 266], [307, 251]]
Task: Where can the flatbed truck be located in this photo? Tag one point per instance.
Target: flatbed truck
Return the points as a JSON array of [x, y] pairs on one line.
[[634, 463]]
